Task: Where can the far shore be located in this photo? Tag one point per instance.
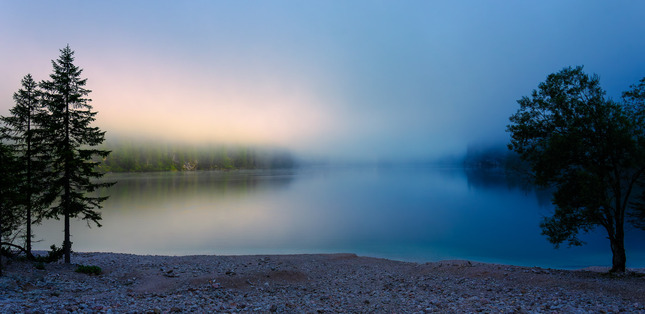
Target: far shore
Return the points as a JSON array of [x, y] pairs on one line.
[[310, 283]]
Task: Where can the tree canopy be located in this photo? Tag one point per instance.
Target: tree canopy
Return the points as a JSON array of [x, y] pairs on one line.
[[589, 148]]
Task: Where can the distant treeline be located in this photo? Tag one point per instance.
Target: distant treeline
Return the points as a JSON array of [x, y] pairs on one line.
[[498, 157], [137, 156]]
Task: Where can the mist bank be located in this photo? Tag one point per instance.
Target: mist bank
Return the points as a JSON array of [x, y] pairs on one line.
[[477, 155], [494, 156], [149, 155], [136, 155]]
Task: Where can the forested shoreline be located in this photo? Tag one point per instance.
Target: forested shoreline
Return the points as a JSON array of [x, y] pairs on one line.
[[137, 156]]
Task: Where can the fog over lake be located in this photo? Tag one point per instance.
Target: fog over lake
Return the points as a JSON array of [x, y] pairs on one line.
[[405, 213], [358, 80]]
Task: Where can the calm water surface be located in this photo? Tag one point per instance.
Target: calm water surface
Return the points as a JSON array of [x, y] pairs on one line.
[[413, 214]]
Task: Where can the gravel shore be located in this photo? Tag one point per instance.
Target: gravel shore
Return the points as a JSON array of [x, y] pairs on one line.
[[309, 284]]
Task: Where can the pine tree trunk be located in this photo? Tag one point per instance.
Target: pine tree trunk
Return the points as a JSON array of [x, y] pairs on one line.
[[28, 246], [67, 245], [29, 186], [618, 250]]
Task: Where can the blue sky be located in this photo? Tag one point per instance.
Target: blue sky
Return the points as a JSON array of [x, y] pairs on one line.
[[344, 79]]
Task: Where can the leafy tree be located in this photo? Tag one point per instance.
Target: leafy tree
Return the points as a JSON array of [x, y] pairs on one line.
[[21, 130], [635, 102], [72, 142], [589, 148], [10, 217]]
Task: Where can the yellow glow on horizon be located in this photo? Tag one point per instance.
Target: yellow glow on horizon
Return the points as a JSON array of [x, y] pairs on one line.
[[172, 106]]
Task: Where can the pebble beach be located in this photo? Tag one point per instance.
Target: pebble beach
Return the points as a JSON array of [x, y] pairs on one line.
[[320, 283]]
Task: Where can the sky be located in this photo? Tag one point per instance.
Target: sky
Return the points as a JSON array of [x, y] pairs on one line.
[[340, 79]]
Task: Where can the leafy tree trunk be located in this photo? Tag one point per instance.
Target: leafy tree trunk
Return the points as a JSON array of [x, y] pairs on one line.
[[617, 243]]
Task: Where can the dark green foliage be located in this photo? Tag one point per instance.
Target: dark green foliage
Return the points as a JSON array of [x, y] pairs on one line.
[[635, 101], [10, 216], [39, 265], [635, 98], [48, 157], [71, 141], [588, 148], [22, 131], [90, 270]]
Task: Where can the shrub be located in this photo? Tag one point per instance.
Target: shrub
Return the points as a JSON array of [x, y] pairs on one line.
[[55, 254], [90, 270]]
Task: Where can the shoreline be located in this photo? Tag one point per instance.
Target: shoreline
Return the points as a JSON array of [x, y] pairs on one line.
[[309, 283], [593, 268]]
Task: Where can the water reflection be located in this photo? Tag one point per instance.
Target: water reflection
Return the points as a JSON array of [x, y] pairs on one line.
[[418, 214], [173, 187], [175, 213], [497, 178]]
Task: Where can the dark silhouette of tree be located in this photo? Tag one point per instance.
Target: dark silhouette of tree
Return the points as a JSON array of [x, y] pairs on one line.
[[21, 130], [72, 142], [635, 102], [10, 217], [589, 148]]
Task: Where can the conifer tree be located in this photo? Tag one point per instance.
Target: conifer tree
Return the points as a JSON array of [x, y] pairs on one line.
[[21, 130], [10, 218], [72, 142]]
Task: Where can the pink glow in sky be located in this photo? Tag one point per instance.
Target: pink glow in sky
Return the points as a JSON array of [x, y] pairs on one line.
[[375, 79]]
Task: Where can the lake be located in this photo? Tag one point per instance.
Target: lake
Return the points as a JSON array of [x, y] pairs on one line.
[[405, 213]]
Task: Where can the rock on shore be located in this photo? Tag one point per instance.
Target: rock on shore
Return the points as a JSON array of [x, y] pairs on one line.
[[308, 284]]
